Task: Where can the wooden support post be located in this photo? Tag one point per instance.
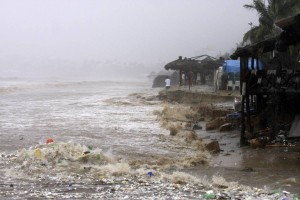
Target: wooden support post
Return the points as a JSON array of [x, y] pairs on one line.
[[247, 92], [202, 78], [248, 112], [252, 63], [243, 93], [275, 103], [180, 77], [243, 127]]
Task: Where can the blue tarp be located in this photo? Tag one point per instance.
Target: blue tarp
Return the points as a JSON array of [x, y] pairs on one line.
[[234, 65], [231, 66]]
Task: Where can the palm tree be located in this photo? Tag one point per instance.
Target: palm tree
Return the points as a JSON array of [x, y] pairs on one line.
[[268, 13]]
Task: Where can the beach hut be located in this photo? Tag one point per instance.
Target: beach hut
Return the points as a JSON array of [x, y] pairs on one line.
[[201, 68]]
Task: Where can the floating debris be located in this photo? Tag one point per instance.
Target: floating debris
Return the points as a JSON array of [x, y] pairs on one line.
[[49, 140], [80, 173]]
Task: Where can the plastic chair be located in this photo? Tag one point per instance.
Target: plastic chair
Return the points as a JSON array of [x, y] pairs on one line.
[[237, 85], [230, 85]]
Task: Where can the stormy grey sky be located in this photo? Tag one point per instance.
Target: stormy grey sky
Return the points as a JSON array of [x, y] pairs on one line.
[[84, 37]]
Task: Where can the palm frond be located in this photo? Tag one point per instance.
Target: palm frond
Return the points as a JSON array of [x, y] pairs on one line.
[[249, 6], [251, 35], [268, 13], [262, 11]]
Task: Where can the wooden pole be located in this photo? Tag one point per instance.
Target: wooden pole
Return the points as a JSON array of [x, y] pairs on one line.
[[247, 93], [242, 90], [180, 77]]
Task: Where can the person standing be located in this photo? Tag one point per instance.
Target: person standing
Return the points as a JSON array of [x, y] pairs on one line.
[[190, 79], [168, 83]]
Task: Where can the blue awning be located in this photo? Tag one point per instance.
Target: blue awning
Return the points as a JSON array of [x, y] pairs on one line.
[[234, 65]]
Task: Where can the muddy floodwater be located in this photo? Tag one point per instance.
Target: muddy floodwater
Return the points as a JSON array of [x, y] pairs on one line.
[[108, 144]]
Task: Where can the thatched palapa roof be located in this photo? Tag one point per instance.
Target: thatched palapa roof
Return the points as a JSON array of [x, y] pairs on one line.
[[194, 64]]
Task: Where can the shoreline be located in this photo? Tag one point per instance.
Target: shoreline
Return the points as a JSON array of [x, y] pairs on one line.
[[67, 169], [233, 162], [196, 95]]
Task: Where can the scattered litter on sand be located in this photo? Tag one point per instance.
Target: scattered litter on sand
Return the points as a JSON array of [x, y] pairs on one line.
[[70, 170]]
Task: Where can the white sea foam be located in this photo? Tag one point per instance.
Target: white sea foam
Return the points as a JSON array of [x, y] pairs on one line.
[[84, 113]]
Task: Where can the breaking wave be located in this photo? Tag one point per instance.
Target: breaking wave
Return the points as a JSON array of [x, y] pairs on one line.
[[72, 168]]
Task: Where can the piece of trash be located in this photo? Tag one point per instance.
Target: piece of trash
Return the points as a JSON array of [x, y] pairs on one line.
[[209, 196], [277, 191], [295, 197], [87, 168], [150, 174], [49, 140], [197, 127], [247, 169], [38, 153]]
